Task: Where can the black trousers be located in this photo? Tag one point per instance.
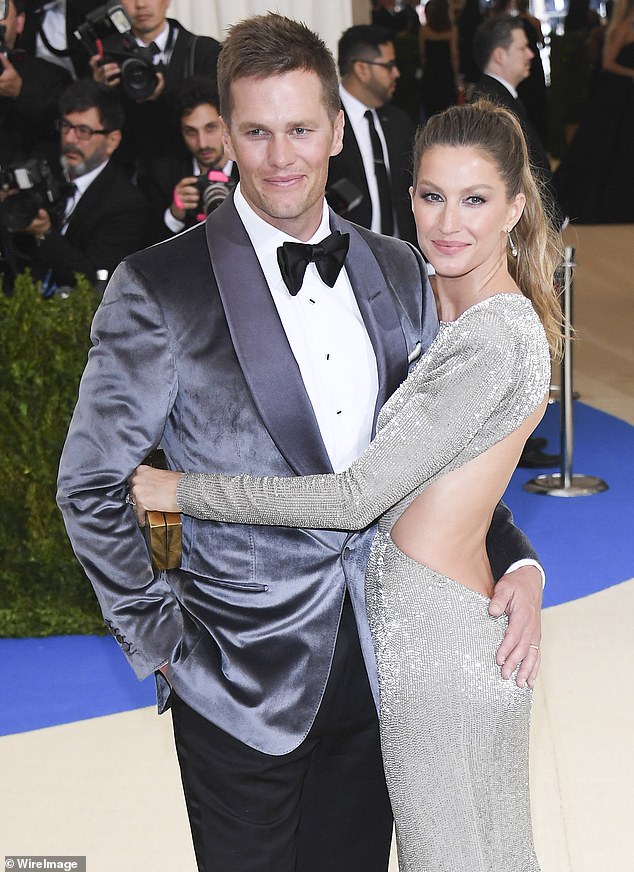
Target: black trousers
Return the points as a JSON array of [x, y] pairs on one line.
[[321, 808]]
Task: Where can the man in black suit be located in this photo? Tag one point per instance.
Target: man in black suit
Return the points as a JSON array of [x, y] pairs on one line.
[[367, 186], [502, 52], [30, 89], [172, 183], [49, 33], [150, 128], [103, 218]]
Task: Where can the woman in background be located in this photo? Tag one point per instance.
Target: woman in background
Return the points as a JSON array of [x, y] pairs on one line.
[[595, 180], [438, 41], [446, 445]]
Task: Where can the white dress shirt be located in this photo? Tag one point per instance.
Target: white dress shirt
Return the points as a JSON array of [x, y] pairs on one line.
[[328, 339], [53, 27], [164, 43]]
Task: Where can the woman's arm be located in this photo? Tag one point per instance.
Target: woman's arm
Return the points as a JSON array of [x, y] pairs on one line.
[[613, 46], [444, 406]]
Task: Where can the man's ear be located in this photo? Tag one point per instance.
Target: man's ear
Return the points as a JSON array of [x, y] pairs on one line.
[[337, 135], [226, 141], [498, 56], [113, 141]]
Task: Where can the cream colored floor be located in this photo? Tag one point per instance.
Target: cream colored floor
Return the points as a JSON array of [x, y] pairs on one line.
[[109, 789]]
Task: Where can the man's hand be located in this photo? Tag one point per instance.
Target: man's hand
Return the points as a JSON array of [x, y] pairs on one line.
[[186, 197], [106, 74], [519, 594], [158, 90], [10, 79], [40, 225]]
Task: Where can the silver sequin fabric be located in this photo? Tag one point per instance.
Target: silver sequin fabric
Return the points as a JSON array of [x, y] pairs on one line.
[[454, 733]]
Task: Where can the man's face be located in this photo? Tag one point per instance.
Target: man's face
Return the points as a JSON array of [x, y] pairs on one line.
[[380, 82], [281, 136], [13, 25], [516, 60], [148, 17], [202, 132], [79, 156]]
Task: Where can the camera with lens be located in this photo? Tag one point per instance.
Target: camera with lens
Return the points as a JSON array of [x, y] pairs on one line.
[[343, 196], [214, 187], [107, 31], [35, 188]]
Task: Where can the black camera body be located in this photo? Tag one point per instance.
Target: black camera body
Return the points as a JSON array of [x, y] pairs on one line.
[[37, 188], [214, 187], [107, 31]]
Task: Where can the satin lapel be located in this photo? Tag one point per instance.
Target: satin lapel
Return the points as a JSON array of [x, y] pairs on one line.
[[378, 310], [267, 362]]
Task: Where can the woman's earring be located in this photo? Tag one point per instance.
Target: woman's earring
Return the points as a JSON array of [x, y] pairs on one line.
[[512, 245]]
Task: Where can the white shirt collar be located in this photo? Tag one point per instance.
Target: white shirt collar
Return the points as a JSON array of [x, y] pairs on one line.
[[506, 84], [355, 109], [160, 41], [84, 181]]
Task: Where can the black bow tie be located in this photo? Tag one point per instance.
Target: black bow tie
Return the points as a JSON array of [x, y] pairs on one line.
[[328, 256]]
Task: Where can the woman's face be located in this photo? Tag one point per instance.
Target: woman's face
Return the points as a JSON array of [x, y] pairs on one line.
[[462, 212]]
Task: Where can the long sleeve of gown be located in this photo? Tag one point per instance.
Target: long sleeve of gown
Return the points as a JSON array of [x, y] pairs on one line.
[[482, 377]]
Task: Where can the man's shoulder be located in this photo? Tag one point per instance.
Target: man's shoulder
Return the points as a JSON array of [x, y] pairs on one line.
[[395, 116], [167, 257], [186, 37], [119, 187], [490, 89], [394, 255]]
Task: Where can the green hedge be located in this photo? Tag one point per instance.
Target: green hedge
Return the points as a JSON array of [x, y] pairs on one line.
[[43, 349]]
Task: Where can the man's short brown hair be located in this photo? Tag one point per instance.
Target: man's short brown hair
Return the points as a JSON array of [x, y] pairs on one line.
[[270, 45]]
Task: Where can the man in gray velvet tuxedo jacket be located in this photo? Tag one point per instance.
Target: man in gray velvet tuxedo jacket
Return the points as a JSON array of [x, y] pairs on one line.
[[259, 641]]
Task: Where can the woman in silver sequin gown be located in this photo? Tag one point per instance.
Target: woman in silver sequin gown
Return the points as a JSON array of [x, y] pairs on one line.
[[454, 733]]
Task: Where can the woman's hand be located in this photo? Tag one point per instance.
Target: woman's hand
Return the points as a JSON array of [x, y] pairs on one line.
[[154, 490]]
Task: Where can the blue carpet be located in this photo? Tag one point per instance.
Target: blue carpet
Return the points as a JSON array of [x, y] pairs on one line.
[[585, 544]]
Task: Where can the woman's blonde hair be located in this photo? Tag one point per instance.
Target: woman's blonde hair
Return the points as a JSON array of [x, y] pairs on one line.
[[497, 132]]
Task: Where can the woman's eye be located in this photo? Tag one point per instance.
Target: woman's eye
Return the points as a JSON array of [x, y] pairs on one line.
[[431, 196], [474, 200]]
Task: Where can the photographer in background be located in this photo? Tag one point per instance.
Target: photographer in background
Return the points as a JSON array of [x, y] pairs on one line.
[[103, 219], [150, 129], [183, 190], [30, 89], [49, 29]]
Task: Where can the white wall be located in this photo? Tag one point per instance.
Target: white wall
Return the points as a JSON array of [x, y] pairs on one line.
[[329, 18]]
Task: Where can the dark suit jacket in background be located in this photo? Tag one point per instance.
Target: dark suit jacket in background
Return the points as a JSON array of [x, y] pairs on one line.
[[107, 224], [490, 89], [399, 136], [189, 352], [29, 118]]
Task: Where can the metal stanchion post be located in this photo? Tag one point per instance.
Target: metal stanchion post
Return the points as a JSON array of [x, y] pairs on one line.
[[565, 483]]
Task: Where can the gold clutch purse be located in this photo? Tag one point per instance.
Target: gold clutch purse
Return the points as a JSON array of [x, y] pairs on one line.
[[163, 529], [163, 534]]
